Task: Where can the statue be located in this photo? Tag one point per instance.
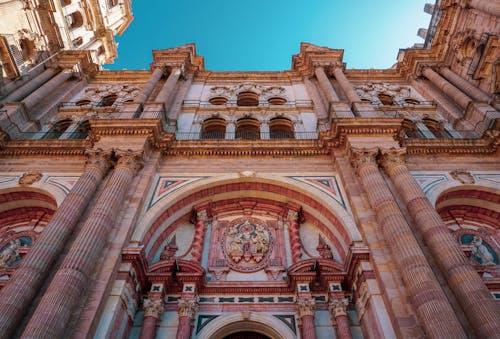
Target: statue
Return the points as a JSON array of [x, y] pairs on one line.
[[10, 254], [481, 251]]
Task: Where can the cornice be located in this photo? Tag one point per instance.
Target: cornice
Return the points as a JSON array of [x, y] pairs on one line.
[[106, 76], [273, 77], [486, 145], [45, 148], [150, 128]]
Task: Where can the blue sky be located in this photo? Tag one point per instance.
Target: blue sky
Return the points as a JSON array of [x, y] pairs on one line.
[[264, 34]]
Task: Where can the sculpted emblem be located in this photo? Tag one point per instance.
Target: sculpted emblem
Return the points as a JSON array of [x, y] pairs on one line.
[[247, 244]]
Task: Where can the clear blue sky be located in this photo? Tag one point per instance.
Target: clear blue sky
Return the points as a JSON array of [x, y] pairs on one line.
[[264, 34]]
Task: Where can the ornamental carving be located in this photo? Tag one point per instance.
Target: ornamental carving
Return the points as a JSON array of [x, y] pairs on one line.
[[399, 93], [98, 158], [153, 308], [361, 157], [390, 158], [305, 307], [123, 92], [463, 176], [187, 308], [247, 244], [9, 254], [30, 178], [338, 307], [131, 160]]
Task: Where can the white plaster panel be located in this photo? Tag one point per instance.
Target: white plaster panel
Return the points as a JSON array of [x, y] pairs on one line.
[[256, 276], [195, 91], [309, 120], [184, 235], [185, 121]]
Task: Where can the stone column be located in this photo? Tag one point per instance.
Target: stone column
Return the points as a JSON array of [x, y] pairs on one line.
[[319, 106], [294, 233], [153, 310], [430, 302], [338, 311], [27, 279], [487, 6], [305, 310], [149, 86], [460, 98], [41, 93], [349, 91], [464, 85], [30, 86], [471, 292], [168, 88], [64, 292], [325, 84], [187, 311], [201, 218]]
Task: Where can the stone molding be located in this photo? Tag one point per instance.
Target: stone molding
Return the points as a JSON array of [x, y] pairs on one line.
[[361, 157], [305, 307], [98, 159], [338, 307], [129, 160], [153, 308], [187, 308]]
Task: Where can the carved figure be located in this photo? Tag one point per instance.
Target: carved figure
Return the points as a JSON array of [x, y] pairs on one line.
[[481, 251], [10, 254], [30, 178]]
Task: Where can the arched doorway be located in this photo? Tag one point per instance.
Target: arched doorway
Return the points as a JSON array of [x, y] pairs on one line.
[[246, 330], [246, 335]]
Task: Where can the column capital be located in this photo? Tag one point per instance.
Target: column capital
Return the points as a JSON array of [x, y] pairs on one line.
[[187, 308], [153, 308], [99, 159], [305, 307], [129, 160], [392, 157], [295, 215], [361, 157], [338, 306]]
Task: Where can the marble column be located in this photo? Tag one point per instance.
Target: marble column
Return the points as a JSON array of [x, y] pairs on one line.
[[294, 233], [166, 92], [458, 96], [65, 290], [349, 91], [487, 6], [153, 311], [199, 235], [149, 86], [466, 284], [325, 84], [338, 311], [30, 86], [187, 312], [27, 279], [46, 89], [305, 310], [430, 302], [464, 85]]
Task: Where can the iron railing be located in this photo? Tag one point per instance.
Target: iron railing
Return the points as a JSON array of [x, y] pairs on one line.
[[278, 135], [233, 103]]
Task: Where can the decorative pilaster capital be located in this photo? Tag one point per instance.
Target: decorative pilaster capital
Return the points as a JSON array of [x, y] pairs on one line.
[[361, 157], [295, 215], [187, 308], [99, 159], [153, 308], [338, 307], [392, 158], [305, 307], [129, 160]]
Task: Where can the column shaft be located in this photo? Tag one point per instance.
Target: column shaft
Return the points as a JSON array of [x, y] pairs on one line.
[[59, 301], [294, 233], [148, 329], [325, 84], [308, 329], [437, 316], [471, 292], [167, 90], [450, 90], [26, 280], [343, 329], [487, 6], [319, 106], [199, 236], [464, 85], [349, 91], [30, 86], [184, 328], [41, 93], [149, 86]]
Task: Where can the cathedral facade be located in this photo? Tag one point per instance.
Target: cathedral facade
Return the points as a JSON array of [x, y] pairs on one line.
[[317, 202]]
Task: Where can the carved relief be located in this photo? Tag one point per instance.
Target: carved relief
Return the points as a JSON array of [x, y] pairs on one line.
[[123, 92], [361, 157], [338, 307], [463, 176], [305, 307], [323, 249], [399, 93], [29, 178], [153, 308], [10, 254], [187, 308]]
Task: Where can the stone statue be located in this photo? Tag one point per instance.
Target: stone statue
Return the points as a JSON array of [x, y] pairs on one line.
[[481, 251], [10, 254]]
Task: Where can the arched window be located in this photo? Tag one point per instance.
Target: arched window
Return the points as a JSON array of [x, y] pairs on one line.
[[386, 99], [82, 130], [248, 99], [411, 129], [281, 128], [58, 129], [83, 102], [218, 101], [74, 20], [213, 128], [247, 128], [108, 100], [276, 101]]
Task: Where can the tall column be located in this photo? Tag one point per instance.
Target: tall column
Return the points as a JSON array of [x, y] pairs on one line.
[[175, 108], [450, 90], [187, 311], [464, 85], [149, 86], [432, 306], [338, 311], [166, 92], [349, 91], [325, 84], [305, 310], [59, 301], [30, 86], [41, 93], [201, 218], [27, 279], [293, 230], [153, 311], [319, 106], [487, 6], [471, 292]]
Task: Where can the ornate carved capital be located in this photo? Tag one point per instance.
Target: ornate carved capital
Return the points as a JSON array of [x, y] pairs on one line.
[[99, 159], [391, 158], [338, 307], [153, 308], [130, 160], [187, 308], [361, 157], [305, 307]]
